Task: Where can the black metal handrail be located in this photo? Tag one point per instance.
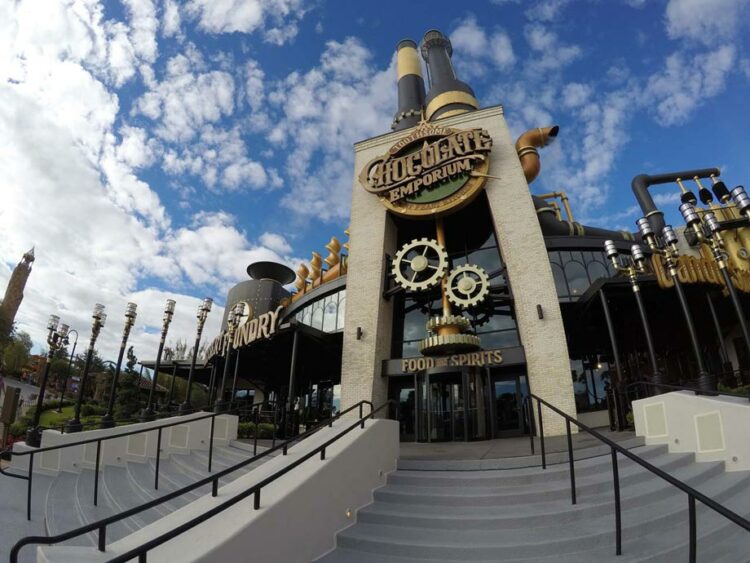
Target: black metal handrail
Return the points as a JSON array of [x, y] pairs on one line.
[[615, 448], [31, 453], [141, 551]]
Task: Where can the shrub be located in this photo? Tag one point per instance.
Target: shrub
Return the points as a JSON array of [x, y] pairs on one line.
[[18, 428], [247, 430]]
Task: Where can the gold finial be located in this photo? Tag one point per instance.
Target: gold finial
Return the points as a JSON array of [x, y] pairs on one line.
[[316, 266], [698, 182], [346, 244], [333, 247], [302, 273], [682, 186]]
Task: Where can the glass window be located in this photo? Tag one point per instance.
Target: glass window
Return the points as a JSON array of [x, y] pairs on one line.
[[330, 310], [410, 349], [560, 284], [341, 311], [317, 315], [578, 280], [597, 270], [501, 339], [489, 259]]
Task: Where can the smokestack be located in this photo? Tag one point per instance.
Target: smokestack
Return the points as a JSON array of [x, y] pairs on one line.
[[448, 95], [410, 86]]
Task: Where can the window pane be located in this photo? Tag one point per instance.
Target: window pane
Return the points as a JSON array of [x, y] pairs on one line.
[[578, 281], [560, 284], [410, 349], [330, 309], [502, 339], [597, 270], [317, 315], [342, 310]]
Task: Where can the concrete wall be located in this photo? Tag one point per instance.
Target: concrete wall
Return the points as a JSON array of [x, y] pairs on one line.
[[524, 252], [300, 512], [714, 428], [139, 447]]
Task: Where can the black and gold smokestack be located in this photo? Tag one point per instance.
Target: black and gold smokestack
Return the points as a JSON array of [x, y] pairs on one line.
[[410, 86], [448, 95]]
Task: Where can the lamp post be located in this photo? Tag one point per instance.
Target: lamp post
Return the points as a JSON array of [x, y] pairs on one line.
[[203, 310], [232, 320], [668, 249], [148, 413], [100, 317], [707, 231], [632, 266], [55, 338], [70, 365], [107, 421]]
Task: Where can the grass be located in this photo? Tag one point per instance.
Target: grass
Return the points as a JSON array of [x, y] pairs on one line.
[[53, 419]]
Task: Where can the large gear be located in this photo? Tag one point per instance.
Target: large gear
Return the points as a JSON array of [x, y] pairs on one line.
[[457, 321], [467, 285], [449, 343], [420, 264]]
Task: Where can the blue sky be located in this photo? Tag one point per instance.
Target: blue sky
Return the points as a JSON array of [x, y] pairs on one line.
[[152, 149]]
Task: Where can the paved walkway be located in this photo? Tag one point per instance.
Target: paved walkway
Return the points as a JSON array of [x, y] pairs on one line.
[[503, 447]]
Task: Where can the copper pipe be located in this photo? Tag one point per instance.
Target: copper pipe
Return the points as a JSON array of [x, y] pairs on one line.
[[440, 231], [527, 145], [565, 201]]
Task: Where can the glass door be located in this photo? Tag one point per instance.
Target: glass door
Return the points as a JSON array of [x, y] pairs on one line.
[[442, 407], [507, 396]]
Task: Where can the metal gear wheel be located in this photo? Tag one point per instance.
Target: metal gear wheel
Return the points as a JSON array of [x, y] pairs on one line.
[[450, 320], [449, 343], [467, 285], [420, 264]]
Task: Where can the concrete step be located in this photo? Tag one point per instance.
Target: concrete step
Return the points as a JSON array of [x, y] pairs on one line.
[[13, 523]]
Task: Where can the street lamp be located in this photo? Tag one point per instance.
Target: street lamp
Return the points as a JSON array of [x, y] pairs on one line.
[[632, 266], [107, 421], [203, 310], [55, 338], [99, 316], [70, 365], [668, 249], [232, 320], [148, 413], [239, 309]]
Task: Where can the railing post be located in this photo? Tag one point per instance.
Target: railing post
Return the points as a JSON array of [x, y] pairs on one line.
[[255, 437], [541, 434], [211, 443], [618, 515], [102, 538], [283, 450], [256, 500], [571, 462], [323, 454], [275, 426], [215, 487], [158, 457], [28, 488], [693, 527], [96, 473], [360, 410], [142, 557]]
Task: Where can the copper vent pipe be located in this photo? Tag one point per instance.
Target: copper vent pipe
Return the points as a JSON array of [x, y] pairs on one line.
[[527, 145]]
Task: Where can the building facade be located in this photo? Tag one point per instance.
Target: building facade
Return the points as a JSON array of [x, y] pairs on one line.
[[458, 292]]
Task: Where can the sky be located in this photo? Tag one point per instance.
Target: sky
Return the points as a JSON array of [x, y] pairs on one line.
[[152, 149]]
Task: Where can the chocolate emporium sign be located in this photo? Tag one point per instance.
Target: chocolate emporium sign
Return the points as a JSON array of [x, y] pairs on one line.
[[430, 171]]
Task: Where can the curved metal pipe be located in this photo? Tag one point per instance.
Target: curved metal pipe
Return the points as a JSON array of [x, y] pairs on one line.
[[643, 182], [527, 145], [552, 225]]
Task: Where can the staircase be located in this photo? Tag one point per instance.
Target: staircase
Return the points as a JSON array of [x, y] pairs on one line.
[[63, 502], [525, 514]]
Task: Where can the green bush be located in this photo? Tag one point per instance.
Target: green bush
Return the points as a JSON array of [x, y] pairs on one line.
[[247, 430], [18, 428]]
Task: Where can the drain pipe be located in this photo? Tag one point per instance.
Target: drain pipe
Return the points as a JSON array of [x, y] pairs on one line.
[[527, 145]]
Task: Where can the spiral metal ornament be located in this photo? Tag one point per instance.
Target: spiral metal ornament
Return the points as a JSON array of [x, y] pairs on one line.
[[467, 285], [420, 264]]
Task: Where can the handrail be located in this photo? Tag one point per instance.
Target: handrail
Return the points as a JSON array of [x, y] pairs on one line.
[[158, 428], [615, 448], [101, 525], [683, 388]]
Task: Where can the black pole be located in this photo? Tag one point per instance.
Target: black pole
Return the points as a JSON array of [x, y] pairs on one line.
[[212, 380], [292, 374], [186, 407], [656, 376], [74, 425], [616, 355], [67, 374], [737, 305], [219, 402], [717, 326], [234, 380], [706, 382], [34, 434], [171, 386], [148, 413], [107, 421]]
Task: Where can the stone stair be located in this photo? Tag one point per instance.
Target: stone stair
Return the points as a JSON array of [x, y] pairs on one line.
[[65, 501], [524, 515]]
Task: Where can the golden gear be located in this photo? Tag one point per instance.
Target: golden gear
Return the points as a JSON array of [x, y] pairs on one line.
[[420, 264], [458, 321], [449, 343], [467, 285]]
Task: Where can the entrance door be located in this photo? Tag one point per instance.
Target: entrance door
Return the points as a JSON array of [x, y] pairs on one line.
[[508, 391], [446, 409]]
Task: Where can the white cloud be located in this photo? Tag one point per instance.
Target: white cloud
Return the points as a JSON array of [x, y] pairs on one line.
[[576, 94], [546, 10], [314, 124], [171, 20], [143, 26], [686, 82], [187, 98], [276, 19], [704, 20], [474, 49], [552, 55], [275, 242]]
